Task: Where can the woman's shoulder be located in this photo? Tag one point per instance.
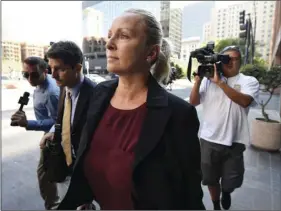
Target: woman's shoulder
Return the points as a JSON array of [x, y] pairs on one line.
[[176, 102]]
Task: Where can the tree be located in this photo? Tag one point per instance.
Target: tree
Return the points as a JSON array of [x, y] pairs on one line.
[[221, 44], [269, 81], [179, 72]]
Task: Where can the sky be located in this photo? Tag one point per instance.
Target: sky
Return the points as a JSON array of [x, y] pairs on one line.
[[40, 22]]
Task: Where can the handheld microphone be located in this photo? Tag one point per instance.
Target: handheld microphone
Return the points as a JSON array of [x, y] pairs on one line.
[[22, 101]]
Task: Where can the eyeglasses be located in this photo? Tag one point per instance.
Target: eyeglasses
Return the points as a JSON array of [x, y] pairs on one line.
[[33, 75], [234, 59]]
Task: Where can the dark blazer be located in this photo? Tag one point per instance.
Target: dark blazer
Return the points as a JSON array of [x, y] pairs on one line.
[[166, 169], [86, 91]]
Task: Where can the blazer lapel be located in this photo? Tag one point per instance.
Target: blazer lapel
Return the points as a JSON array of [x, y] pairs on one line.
[[81, 103], [61, 105], [98, 106], [155, 122]]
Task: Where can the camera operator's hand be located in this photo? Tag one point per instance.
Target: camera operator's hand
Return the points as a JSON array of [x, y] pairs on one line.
[[216, 79], [19, 118], [47, 136], [197, 79]]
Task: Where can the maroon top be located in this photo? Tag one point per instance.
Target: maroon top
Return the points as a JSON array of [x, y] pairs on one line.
[[108, 163]]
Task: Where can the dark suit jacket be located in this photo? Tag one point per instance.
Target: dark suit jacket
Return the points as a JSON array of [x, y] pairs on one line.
[[86, 91], [166, 169]]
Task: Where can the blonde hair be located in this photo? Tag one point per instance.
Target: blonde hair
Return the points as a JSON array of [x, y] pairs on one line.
[[160, 68]]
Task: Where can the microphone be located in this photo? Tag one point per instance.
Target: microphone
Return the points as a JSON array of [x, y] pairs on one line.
[[22, 101]]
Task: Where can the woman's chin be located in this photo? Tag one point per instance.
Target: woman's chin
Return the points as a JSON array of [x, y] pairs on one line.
[[113, 70]]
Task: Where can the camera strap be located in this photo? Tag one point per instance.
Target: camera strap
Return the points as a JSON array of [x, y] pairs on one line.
[[189, 68]]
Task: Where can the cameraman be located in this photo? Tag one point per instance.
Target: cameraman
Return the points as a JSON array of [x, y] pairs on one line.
[[226, 100]]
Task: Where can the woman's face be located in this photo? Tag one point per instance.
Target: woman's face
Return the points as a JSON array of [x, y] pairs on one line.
[[126, 48]]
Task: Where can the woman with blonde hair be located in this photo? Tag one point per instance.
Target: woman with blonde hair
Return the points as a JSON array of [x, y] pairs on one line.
[[139, 148]]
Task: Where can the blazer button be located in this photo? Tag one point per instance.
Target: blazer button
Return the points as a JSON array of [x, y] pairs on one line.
[[73, 134]]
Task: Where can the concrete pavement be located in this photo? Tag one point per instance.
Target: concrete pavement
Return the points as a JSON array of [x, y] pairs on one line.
[[20, 155]]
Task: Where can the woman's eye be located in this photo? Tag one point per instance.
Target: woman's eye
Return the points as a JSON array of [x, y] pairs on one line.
[[123, 36]]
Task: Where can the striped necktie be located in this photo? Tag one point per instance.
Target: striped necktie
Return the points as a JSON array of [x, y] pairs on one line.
[[66, 129]]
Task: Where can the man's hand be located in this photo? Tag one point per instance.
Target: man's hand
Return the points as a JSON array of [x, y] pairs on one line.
[[216, 79], [19, 118], [197, 79], [47, 136]]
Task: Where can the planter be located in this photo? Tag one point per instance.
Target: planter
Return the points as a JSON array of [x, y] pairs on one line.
[[266, 135]]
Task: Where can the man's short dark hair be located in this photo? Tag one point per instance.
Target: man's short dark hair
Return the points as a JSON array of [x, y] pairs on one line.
[[39, 62], [67, 51]]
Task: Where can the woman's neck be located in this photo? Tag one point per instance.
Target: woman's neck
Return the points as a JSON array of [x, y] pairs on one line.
[[131, 91], [130, 86]]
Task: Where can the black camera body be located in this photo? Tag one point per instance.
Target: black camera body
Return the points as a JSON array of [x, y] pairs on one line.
[[207, 58]]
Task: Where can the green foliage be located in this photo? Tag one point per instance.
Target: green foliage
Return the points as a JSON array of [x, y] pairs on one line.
[[221, 44], [179, 71], [256, 71], [269, 81], [260, 61]]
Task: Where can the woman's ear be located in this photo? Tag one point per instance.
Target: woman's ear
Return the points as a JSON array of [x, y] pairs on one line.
[[153, 54]]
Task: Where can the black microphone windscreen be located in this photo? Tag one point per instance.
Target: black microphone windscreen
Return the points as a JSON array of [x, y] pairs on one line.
[[26, 94]]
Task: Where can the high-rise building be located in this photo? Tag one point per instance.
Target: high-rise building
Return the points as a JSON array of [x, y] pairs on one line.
[[112, 9], [171, 21], [188, 45], [11, 51], [194, 17], [28, 50], [264, 18], [275, 47], [92, 23], [207, 32], [225, 22]]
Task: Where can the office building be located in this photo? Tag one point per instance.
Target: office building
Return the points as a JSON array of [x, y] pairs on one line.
[[264, 14], [207, 32], [275, 47], [28, 50], [11, 51], [112, 9], [92, 23], [194, 17], [94, 53], [171, 22], [225, 23], [188, 45]]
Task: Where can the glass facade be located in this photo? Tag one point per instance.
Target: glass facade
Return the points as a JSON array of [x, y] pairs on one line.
[[112, 9]]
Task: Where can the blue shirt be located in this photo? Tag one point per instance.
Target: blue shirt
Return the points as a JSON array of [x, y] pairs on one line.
[[45, 102]]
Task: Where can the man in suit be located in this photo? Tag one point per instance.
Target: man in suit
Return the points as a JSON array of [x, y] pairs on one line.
[[65, 61]]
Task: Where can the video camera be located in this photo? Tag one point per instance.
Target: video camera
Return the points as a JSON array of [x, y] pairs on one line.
[[207, 57]]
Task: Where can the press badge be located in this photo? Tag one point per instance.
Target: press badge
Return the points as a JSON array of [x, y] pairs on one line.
[[237, 87]]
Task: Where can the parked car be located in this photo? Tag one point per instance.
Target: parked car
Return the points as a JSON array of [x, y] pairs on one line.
[[96, 78]]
